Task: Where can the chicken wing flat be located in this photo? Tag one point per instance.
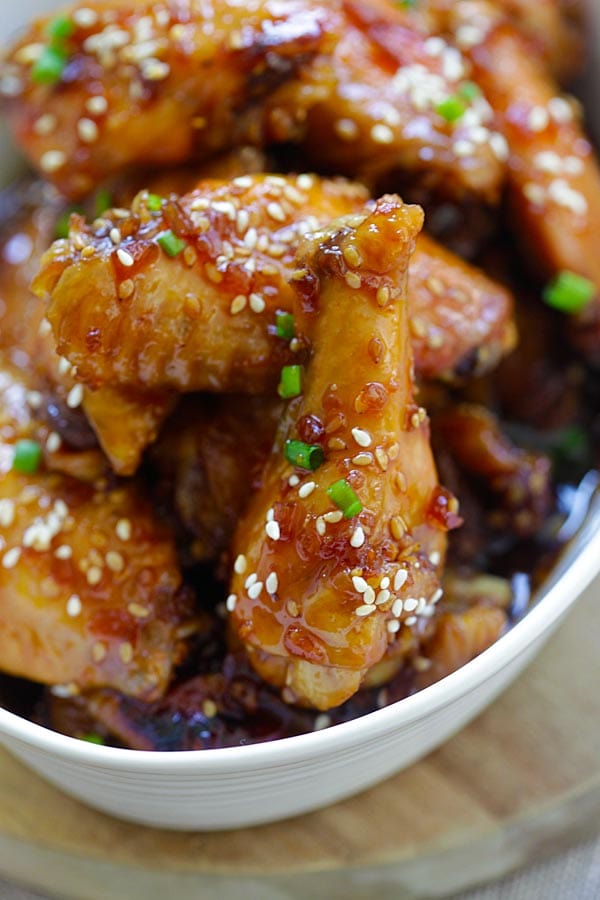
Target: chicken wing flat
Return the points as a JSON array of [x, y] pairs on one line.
[[90, 589], [187, 296], [347, 532], [113, 84]]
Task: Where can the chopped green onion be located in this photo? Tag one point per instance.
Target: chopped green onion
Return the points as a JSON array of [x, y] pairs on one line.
[[569, 293], [60, 29], [27, 457], [154, 202], [345, 498], [305, 456], [171, 244], [408, 3], [468, 90], [48, 68], [451, 109], [102, 202], [92, 738], [284, 325], [290, 384]]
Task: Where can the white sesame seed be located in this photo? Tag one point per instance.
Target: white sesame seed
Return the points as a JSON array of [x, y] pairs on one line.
[[238, 304], [535, 193], [560, 110], [276, 212], [412, 620], [410, 604], [52, 161], [322, 721], [115, 236], [563, 195], [365, 610], [240, 565], [250, 580], [270, 514], [362, 437], [11, 558], [257, 304], [155, 69], [251, 238], [84, 17], [28, 54], [382, 134], [400, 579], [273, 531], [123, 529], [255, 590], [231, 602], [434, 46], [74, 605], [397, 607], [293, 481], [360, 585], [393, 626], [45, 125], [125, 258], [435, 558], [243, 181], [346, 129], [75, 396], [272, 583], [382, 597], [437, 596], [11, 85], [115, 561], [242, 221], [306, 489], [499, 145], [333, 517], [362, 459], [463, 148], [34, 399], [384, 583], [7, 512], [468, 36], [358, 537], [97, 106], [63, 552], [94, 575], [87, 131], [573, 165], [321, 526], [369, 596], [305, 182], [353, 280], [538, 118]]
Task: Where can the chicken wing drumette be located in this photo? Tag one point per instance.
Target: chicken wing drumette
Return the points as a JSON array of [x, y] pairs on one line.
[[341, 547]]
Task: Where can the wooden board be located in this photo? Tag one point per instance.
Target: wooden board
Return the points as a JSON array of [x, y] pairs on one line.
[[521, 781]]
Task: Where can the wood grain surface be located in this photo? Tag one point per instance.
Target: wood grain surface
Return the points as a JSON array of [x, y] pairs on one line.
[[521, 781]]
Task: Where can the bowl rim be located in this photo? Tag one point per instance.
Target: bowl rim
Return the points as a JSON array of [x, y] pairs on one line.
[[572, 573]]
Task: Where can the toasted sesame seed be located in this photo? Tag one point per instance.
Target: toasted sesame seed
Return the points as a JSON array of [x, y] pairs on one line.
[[321, 526], [560, 110], [336, 443], [52, 161], [87, 131], [333, 517], [115, 236], [382, 134], [463, 147], [63, 552], [255, 590], [306, 489], [410, 604], [46, 124], [362, 437], [499, 145], [305, 182], [273, 531], [257, 304], [362, 459], [365, 610], [251, 238], [99, 651], [238, 304], [7, 512], [276, 211], [250, 580], [353, 280], [11, 558], [400, 579], [115, 561], [412, 620], [535, 193], [382, 597], [435, 558], [125, 258], [360, 585], [382, 458], [94, 575], [126, 652], [272, 583], [123, 529], [75, 396], [393, 626], [352, 256], [210, 708], [139, 611], [28, 54], [96, 106], [74, 605], [155, 70], [240, 565], [358, 537], [346, 129], [538, 118], [126, 289], [383, 295]]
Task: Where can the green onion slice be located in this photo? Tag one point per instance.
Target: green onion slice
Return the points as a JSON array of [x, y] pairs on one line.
[[452, 108], [171, 244], [284, 325], [48, 68], [305, 456], [154, 202], [92, 738], [290, 384], [102, 202], [60, 28], [468, 90], [345, 498], [569, 293], [27, 457]]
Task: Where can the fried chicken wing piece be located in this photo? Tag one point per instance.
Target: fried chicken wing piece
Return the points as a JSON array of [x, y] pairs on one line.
[[374, 106], [208, 461], [459, 637], [332, 561], [90, 590], [132, 83], [553, 173], [200, 312]]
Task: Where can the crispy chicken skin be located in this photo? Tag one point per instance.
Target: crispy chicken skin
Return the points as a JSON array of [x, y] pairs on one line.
[[132, 314], [306, 579], [459, 637], [149, 85], [208, 461], [90, 589]]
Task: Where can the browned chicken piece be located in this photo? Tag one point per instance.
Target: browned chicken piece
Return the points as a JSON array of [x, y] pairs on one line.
[[459, 637], [90, 590], [186, 297], [377, 105], [141, 83], [519, 479], [341, 547], [553, 173], [208, 462]]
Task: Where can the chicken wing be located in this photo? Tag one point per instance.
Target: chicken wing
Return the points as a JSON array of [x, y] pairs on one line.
[[342, 543], [120, 83], [188, 296]]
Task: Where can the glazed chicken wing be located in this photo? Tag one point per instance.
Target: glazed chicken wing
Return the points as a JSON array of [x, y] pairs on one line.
[[90, 589], [186, 296], [137, 83], [342, 543]]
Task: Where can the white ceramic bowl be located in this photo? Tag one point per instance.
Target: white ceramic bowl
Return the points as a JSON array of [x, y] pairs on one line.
[[241, 786]]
